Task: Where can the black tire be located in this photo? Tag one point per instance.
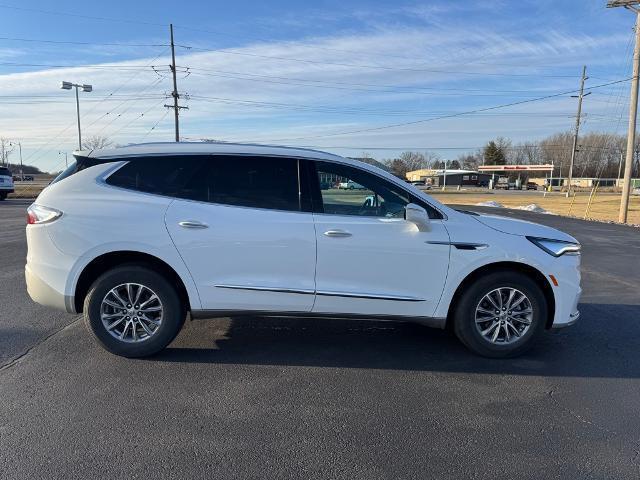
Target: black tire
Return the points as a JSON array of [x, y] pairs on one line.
[[173, 314], [3, 196], [464, 317]]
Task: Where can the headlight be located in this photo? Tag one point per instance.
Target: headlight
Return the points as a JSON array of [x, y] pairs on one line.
[[556, 247]]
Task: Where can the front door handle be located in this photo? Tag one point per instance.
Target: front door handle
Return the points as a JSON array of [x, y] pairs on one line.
[[192, 224], [337, 233]]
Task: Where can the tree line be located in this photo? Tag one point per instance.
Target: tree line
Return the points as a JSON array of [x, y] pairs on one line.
[[598, 155]]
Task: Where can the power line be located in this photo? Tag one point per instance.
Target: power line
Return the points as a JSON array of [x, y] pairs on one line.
[[64, 42], [341, 85], [77, 15], [495, 107], [374, 67]]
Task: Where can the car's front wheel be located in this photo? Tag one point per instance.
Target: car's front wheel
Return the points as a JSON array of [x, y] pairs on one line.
[[501, 314], [133, 311]]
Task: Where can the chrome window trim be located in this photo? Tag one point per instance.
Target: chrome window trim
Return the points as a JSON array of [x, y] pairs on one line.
[[267, 289], [101, 180], [460, 245], [373, 296], [128, 157], [325, 293]]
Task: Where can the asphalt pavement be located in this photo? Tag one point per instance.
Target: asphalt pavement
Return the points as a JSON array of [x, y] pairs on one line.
[[316, 399]]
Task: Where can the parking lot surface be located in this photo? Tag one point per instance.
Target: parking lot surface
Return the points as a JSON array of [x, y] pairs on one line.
[[257, 398]]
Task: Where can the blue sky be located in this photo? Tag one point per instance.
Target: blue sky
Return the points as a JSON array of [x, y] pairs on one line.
[[332, 75]]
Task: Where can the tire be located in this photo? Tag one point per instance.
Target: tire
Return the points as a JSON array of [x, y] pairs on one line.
[[161, 326], [3, 196], [494, 284]]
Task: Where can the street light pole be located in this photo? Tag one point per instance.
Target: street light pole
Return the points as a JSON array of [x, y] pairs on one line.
[[633, 108], [85, 88], [21, 167], [78, 116]]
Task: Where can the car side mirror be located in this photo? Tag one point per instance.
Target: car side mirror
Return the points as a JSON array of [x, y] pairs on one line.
[[417, 215]]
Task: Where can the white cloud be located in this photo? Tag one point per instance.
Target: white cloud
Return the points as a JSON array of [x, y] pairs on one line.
[[309, 98]]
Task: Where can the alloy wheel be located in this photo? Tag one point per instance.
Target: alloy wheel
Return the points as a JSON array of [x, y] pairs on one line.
[[504, 315], [131, 312]]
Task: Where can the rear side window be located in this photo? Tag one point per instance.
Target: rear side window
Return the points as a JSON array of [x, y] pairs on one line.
[[5, 172], [247, 181], [169, 175], [251, 181]]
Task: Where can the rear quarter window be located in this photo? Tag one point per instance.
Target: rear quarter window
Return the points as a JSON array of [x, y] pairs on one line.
[[170, 175]]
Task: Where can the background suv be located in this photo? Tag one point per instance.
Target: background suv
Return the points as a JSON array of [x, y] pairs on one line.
[[6, 183], [138, 236]]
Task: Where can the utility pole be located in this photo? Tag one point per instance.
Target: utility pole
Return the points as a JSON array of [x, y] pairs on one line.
[[633, 108], [577, 130], [174, 94], [631, 135]]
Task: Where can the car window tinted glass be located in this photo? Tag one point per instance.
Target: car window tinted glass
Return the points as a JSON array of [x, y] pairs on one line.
[[350, 191], [346, 190], [169, 175], [5, 172], [248, 181]]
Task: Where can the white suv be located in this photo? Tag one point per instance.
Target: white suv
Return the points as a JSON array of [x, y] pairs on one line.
[[137, 237], [6, 183]]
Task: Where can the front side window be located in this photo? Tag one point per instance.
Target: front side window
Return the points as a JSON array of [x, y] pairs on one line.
[[346, 190]]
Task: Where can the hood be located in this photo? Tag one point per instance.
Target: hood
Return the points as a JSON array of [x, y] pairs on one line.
[[513, 226]]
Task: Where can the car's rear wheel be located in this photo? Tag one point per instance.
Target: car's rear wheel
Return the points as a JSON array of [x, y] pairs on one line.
[[3, 195], [133, 311], [501, 314]]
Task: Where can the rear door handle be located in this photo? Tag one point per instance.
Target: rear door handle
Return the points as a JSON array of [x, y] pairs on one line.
[[192, 224], [337, 233]]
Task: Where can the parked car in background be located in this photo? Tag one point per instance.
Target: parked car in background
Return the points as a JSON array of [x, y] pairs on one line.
[[137, 237], [532, 186], [6, 183], [502, 184], [350, 185]]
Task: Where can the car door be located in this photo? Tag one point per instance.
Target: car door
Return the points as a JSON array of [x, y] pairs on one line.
[[371, 261], [246, 239]]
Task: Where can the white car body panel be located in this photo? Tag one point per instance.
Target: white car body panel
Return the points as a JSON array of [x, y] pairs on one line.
[[100, 219], [247, 258], [383, 257], [271, 255]]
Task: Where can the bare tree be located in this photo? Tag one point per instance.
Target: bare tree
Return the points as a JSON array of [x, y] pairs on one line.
[[6, 148], [410, 161], [96, 142]]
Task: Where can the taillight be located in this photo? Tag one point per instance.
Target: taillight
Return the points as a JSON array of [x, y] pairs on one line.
[[37, 214]]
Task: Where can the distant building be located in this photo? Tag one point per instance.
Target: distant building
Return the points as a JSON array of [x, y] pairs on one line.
[[438, 177]]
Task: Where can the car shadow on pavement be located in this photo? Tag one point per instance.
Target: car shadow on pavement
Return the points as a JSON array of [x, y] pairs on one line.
[[603, 344]]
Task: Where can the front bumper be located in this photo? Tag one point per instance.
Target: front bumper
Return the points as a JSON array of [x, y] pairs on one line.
[[573, 318]]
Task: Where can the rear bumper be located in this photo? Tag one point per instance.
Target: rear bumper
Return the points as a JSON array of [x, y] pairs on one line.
[[44, 294], [47, 271], [6, 190]]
